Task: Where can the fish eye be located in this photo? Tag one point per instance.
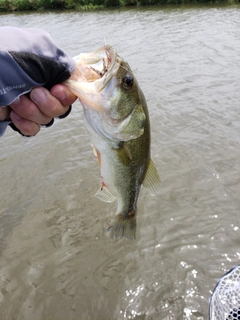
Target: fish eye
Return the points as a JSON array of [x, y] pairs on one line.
[[128, 80]]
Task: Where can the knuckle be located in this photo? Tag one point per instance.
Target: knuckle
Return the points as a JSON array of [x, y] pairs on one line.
[[52, 108], [29, 128], [25, 108]]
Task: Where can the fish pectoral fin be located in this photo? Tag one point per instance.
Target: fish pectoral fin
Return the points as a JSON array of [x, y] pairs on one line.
[[97, 154], [124, 154], [105, 195], [152, 179], [127, 151], [94, 150]]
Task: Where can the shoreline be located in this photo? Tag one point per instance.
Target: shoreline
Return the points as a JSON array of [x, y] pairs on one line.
[[89, 5]]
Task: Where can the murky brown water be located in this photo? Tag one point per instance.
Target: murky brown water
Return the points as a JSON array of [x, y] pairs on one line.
[[56, 260]]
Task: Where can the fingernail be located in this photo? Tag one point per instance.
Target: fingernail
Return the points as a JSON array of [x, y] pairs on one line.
[[38, 95], [15, 115], [59, 94]]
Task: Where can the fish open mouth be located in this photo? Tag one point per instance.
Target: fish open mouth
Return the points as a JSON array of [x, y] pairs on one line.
[[110, 67], [92, 74], [97, 66], [106, 61]]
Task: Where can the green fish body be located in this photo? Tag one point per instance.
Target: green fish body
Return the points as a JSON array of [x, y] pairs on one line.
[[116, 115]]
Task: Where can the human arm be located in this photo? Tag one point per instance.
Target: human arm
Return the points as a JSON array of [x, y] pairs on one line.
[[35, 62]]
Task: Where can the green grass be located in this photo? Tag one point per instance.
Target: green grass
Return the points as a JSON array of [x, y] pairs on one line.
[[24, 5]]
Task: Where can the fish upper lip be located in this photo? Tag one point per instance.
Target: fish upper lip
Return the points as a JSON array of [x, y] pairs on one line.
[[111, 56], [111, 69]]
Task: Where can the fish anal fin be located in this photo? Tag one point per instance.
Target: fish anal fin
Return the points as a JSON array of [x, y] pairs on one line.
[[105, 195], [152, 179]]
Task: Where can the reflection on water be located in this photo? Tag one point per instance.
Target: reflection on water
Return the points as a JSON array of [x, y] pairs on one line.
[[57, 261]]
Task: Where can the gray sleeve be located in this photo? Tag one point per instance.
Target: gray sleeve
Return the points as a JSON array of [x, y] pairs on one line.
[[37, 47], [3, 127], [13, 80], [29, 58]]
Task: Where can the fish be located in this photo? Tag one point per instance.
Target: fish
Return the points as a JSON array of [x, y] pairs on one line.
[[117, 118]]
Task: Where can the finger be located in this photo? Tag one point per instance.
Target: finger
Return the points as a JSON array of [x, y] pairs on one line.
[[27, 109], [49, 104], [63, 94], [26, 127], [4, 113]]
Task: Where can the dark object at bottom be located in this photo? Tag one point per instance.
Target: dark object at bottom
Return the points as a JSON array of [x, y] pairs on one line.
[[234, 315]]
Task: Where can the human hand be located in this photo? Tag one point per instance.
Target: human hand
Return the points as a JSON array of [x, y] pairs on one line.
[[28, 113], [32, 60]]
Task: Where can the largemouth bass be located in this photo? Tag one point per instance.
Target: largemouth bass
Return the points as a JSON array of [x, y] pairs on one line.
[[116, 115]]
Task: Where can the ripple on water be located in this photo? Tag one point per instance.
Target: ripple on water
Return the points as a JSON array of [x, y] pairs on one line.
[[57, 261]]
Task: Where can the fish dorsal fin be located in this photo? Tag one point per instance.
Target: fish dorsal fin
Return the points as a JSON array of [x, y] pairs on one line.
[[152, 180], [105, 195]]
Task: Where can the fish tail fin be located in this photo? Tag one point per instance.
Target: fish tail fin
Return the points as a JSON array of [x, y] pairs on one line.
[[123, 226]]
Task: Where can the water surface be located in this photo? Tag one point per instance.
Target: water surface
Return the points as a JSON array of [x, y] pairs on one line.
[[57, 261]]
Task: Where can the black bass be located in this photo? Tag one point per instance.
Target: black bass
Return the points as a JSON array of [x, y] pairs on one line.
[[116, 115]]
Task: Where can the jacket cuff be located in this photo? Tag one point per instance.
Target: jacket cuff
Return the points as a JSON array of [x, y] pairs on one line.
[[3, 127]]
